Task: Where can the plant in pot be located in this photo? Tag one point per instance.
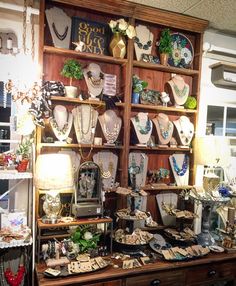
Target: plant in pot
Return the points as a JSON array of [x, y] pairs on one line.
[[165, 46], [72, 69], [23, 152], [138, 86]]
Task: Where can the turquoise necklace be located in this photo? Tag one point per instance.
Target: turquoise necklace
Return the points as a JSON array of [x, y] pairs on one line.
[[143, 129], [165, 132], [181, 93], [182, 171]]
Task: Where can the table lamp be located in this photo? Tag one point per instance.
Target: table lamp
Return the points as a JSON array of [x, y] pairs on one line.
[[53, 174]]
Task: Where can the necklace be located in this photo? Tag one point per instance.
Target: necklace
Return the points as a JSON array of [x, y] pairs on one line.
[[108, 173], [57, 129], [143, 129], [15, 279], [165, 132], [185, 133], [143, 46], [182, 171], [95, 82], [180, 92], [82, 120], [111, 133], [60, 36]]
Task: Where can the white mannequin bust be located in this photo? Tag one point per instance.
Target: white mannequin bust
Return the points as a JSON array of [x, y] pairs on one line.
[[164, 128], [185, 130], [143, 127], [61, 122], [143, 42], [180, 162], [179, 90], [94, 79], [111, 125]]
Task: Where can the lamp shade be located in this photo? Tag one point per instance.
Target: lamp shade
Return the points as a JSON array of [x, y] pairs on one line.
[[53, 171], [211, 151]]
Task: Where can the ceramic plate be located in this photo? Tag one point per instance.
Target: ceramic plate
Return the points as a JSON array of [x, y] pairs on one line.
[[182, 54], [216, 248]]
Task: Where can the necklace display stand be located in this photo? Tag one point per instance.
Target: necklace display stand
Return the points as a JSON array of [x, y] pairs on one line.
[[171, 200], [185, 131], [143, 128], [111, 125], [60, 27], [140, 160], [164, 128], [143, 41], [61, 122], [85, 121], [179, 91], [107, 162], [94, 79], [180, 167]]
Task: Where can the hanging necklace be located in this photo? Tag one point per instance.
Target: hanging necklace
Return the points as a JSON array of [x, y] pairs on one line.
[[180, 92], [182, 171], [108, 173], [60, 36], [143, 46], [83, 131], [165, 132], [15, 279], [95, 82], [143, 129]]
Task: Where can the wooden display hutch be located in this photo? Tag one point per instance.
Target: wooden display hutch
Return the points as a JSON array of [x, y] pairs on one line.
[[52, 59]]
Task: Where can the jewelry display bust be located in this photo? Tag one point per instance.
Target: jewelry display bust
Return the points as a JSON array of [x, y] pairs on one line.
[[143, 41], [164, 128], [61, 122], [180, 167], [85, 122], [111, 125], [143, 127], [140, 160], [185, 131], [179, 90], [94, 79], [107, 162]]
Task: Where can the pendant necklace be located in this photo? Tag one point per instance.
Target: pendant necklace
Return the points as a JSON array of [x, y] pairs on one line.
[[181, 172], [60, 36], [165, 132], [95, 82], [185, 134], [143, 129]]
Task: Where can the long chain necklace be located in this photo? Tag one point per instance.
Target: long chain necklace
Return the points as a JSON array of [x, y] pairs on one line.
[[106, 174], [143, 129], [60, 36], [165, 132], [180, 92], [140, 45], [182, 171], [82, 120]]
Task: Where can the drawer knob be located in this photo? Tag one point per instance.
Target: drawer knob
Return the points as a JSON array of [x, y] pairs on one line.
[[212, 273], [155, 282]]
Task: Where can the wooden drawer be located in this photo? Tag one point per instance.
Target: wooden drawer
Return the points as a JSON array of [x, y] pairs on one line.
[[173, 278], [110, 283], [210, 272]]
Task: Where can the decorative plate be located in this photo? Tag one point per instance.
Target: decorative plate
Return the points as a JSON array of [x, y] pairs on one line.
[[183, 53]]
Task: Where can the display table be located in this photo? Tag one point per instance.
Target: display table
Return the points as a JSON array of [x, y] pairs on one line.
[[203, 271]]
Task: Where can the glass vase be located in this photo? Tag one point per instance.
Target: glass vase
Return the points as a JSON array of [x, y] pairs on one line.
[[117, 46]]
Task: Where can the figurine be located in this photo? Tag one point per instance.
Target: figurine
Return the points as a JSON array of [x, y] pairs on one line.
[[165, 98], [79, 46]]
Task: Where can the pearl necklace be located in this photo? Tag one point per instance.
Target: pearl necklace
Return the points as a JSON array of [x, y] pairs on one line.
[[143, 129], [182, 171]]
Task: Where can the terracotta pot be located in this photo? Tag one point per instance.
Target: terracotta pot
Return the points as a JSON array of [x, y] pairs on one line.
[[22, 166], [164, 59], [117, 46]]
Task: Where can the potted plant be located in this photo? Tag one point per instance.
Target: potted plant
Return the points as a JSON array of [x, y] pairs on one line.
[[165, 46], [72, 69], [23, 152], [138, 86]]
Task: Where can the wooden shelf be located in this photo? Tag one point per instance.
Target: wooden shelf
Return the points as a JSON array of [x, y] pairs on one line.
[[162, 108], [165, 188], [14, 175], [168, 149], [87, 146], [167, 69], [83, 55]]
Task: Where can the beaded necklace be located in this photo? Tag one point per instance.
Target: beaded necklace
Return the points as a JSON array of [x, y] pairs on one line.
[[95, 82], [165, 132], [143, 46], [181, 93], [143, 129], [182, 171], [110, 135], [15, 279]]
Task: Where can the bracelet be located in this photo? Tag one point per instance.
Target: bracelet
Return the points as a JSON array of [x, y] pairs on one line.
[[67, 219], [53, 245], [49, 248]]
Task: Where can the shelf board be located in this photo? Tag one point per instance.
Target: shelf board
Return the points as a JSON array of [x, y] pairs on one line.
[[168, 149], [167, 69], [165, 188], [83, 55], [96, 103], [162, 108], [14, 175], [87, 146], [42, 225]]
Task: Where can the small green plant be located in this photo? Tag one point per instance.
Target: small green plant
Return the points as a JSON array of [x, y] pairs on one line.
[[72, 69], [165, 42], [138, 84], [86, 237], [24, 149]]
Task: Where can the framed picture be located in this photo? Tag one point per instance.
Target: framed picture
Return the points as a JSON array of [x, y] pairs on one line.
[[93, 34]]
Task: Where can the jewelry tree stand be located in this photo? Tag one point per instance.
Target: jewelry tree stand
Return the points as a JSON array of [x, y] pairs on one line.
[[164, 128], [140, 160], [179, 91], [185, 131], [143, 128]]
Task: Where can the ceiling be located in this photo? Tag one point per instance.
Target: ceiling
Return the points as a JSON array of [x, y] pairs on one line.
[[220, 13]]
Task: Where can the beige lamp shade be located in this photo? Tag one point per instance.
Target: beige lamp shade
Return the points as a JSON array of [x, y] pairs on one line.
[[211, 151], [53, 171]]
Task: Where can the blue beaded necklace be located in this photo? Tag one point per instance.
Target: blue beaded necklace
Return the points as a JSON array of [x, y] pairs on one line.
[[165, 132], [146, 128], [182, 171]]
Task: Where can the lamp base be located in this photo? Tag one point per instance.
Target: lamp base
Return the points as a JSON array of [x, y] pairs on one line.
[[50, 220], [205, 239]]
